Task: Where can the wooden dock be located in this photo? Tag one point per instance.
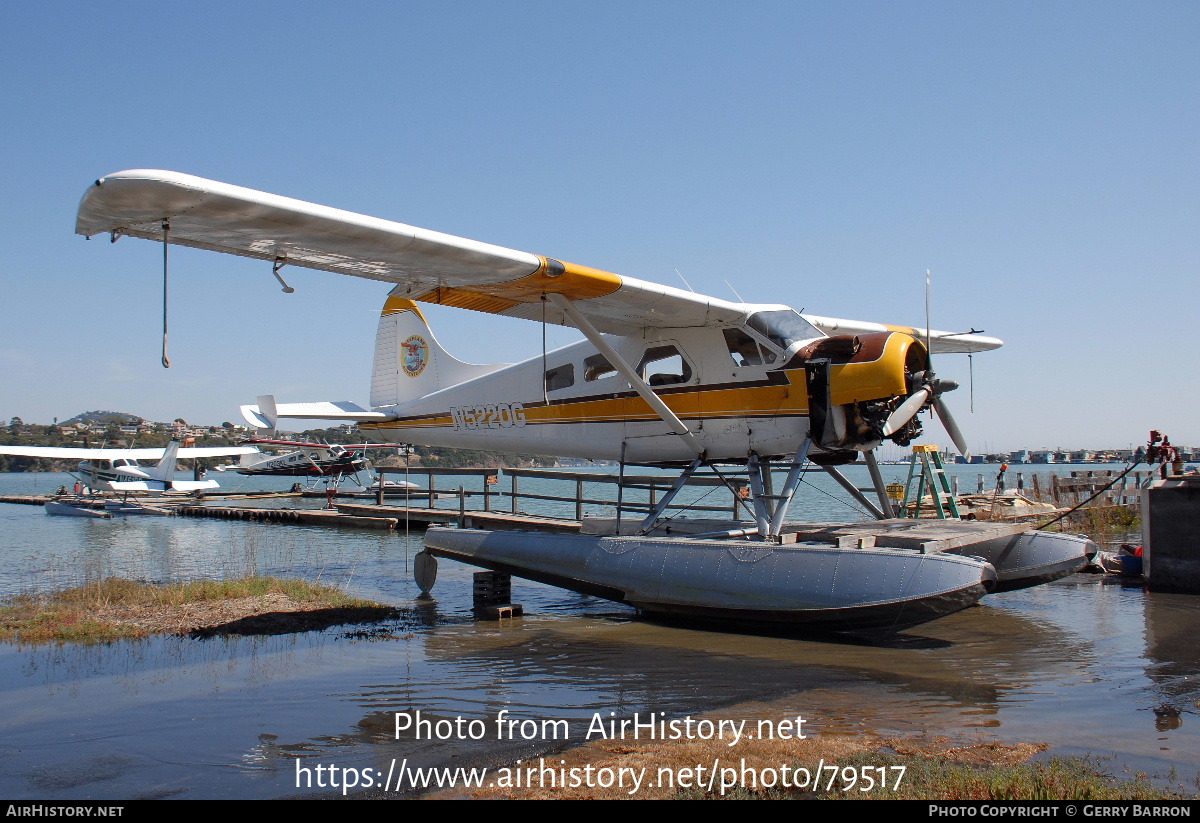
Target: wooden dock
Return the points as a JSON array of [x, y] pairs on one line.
[[311, 517], [467, 518]]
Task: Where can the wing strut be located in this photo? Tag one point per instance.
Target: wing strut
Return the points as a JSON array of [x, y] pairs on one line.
[[639, 385], [166, 227]]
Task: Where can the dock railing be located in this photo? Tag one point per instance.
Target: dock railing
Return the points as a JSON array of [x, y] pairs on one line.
[[1072, 490], [487, 482]]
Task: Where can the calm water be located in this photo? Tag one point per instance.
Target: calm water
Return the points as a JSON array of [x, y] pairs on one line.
[[1083, 664]]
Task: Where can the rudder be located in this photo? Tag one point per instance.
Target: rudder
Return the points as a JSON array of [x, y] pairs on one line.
[[409, 362]]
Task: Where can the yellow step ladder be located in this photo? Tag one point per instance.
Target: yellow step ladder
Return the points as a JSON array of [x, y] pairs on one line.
[[927, 469]]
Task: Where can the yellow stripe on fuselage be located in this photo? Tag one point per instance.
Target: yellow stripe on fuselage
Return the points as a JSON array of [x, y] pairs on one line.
[[852, 382]]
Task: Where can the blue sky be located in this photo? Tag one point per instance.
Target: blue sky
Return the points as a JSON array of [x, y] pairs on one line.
[[1040, 158]]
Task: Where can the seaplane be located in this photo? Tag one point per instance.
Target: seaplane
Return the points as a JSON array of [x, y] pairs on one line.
[[294, 458], [305, 459], [123, 470], [663, 377]]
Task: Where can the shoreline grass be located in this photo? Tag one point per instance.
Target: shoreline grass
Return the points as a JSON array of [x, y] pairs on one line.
[[115, 608]]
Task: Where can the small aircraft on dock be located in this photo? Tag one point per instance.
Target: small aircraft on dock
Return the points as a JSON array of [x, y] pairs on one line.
[[120, 470], [663, 377], [296, 459]]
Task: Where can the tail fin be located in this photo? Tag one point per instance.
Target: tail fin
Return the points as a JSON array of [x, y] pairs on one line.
[[409, 362], [164, 469], [266, 405], [164, 472]]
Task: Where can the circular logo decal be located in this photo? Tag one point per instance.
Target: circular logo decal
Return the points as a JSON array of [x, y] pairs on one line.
[[414, 355]]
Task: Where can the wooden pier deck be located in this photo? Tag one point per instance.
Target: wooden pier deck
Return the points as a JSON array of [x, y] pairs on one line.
[[469, 518], [311, 517]]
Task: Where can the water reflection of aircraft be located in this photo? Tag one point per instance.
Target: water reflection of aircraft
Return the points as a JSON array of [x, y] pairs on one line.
[[663, 376], [121, 470]]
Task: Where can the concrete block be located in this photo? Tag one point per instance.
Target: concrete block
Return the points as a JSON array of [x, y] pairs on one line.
[[1171, 534]]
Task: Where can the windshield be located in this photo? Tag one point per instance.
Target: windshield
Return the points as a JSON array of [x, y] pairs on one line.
[[783, 328]]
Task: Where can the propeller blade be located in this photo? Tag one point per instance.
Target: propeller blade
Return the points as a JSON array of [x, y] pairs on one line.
[[943, 413], [906, 411]]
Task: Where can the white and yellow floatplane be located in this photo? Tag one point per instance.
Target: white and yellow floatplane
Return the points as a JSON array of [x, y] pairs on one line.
[[663, 376]]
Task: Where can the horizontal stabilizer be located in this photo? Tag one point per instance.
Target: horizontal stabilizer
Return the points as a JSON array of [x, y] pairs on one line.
[[159, 485], [342, 410], [191, 485]]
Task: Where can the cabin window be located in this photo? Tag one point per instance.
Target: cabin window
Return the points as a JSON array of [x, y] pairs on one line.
[[561, 377], [664, 366], [597, 367], [745, 350], [783, 328]]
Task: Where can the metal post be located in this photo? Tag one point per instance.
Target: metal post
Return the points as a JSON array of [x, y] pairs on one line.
[[514, 494], [579, 500], [462, 507], [833, 472], [620, 486], [789, 488], [762, 514], [885, 502]]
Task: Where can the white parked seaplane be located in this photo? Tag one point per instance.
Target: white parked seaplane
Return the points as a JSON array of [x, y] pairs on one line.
[[663, 376], [120, 470]]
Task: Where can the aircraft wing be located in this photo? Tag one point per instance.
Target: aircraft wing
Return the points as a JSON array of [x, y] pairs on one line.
[[56, 452], [431, 266], [939, 341]]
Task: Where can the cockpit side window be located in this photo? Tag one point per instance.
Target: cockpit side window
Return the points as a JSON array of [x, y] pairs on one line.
[[597, 367], [745, 350], [562, 377], [664, 366], [784, 328]]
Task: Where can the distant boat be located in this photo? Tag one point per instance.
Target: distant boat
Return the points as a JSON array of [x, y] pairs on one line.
[[128, 507]]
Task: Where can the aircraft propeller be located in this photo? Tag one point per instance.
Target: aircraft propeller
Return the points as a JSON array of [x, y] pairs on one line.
[[928, 391]]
